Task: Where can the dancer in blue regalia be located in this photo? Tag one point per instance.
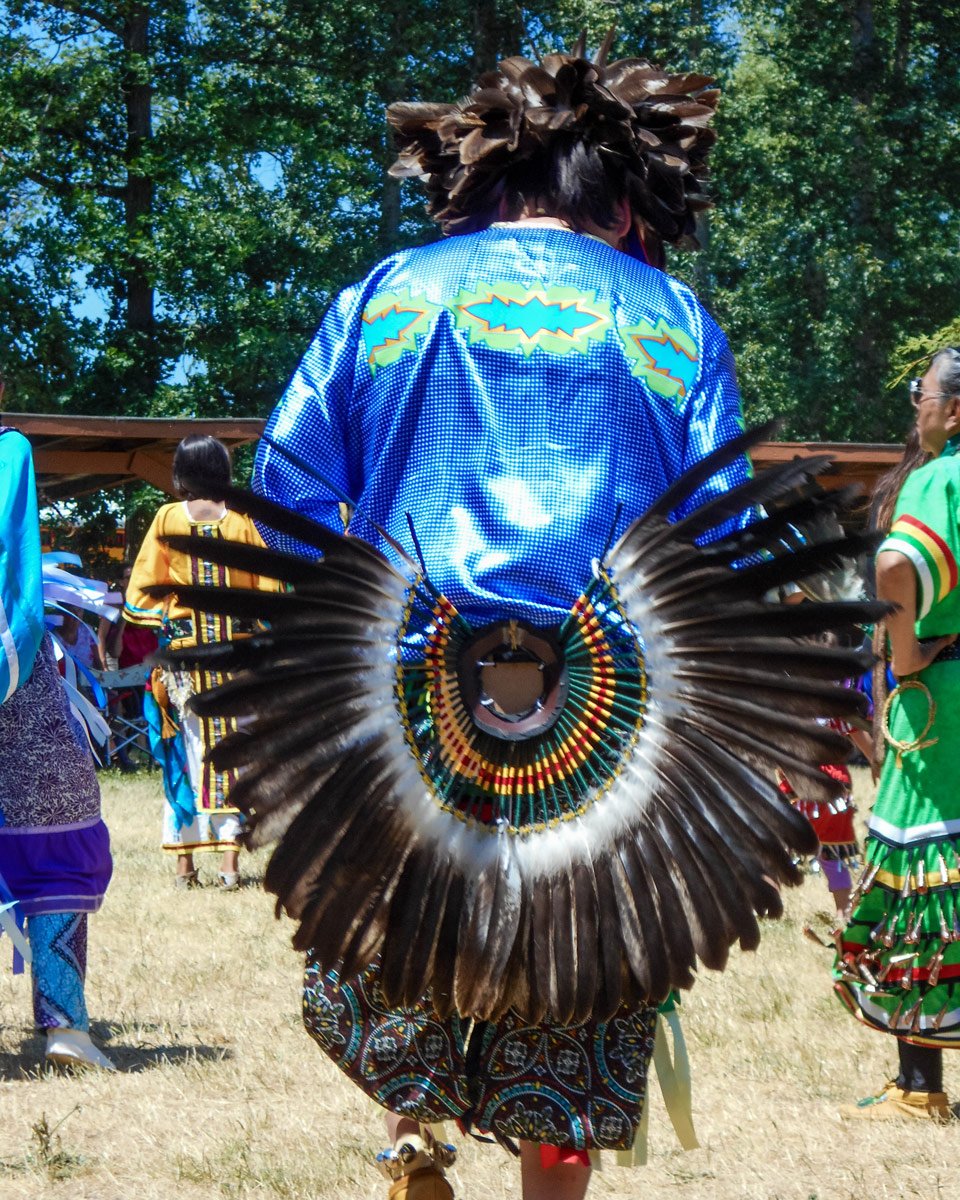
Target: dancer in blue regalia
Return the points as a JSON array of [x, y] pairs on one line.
[[516, 394], [516, 731]]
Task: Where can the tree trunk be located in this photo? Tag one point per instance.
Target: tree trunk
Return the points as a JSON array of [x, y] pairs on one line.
[[393, 87], [486, 36], [697, 18], [901, 49], [862, 32], [869, 355], [138, 200], [389, 211], [862, 79]]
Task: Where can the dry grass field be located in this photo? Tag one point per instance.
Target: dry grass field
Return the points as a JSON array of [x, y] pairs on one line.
[[221, 1094]]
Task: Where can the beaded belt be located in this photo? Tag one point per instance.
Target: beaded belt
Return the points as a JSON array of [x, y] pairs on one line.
[[950, 654]]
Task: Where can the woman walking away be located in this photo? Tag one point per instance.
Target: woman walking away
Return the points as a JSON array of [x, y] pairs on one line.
[[198, 818]]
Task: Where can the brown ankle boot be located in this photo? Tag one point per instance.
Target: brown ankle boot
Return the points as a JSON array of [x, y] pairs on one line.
[[415, 1167], [426, 1183]]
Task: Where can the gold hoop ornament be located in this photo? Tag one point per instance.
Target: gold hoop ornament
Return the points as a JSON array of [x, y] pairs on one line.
[[918, 743]]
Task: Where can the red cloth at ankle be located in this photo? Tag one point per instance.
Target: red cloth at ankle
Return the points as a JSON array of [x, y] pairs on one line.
[[551, 1155]]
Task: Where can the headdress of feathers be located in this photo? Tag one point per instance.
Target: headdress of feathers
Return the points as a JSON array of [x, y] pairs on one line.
[[576, 133], [559, 853]]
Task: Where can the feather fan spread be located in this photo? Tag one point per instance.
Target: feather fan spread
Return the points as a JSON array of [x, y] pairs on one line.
[[565, 851]]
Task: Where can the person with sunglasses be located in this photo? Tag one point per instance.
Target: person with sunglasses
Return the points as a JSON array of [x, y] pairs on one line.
[[898, 967]]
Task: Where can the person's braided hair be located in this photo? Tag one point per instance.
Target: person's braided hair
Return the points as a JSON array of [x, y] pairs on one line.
[[572, 135]]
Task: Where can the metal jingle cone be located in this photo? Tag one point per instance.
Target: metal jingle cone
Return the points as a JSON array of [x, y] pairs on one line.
[[869, 978], [877, 930], [812, 936], [846, 967], [863, 884]]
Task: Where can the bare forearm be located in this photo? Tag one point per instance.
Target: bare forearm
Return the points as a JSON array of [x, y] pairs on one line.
[[921, 658]]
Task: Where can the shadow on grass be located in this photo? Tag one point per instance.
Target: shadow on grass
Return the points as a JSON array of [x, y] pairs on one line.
[[209, 882], [28, 1062], [131, 1059]]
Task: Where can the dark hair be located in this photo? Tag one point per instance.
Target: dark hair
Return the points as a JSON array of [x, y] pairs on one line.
[[201, 468], [570, 179], [888, 486], [947, 362], [883, 502]]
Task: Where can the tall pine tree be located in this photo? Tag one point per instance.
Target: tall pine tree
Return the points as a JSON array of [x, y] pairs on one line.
[[183, 187], [838, 185]]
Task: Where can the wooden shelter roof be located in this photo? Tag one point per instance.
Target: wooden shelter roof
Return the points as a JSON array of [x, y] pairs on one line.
[[76, 455], [853, 462]]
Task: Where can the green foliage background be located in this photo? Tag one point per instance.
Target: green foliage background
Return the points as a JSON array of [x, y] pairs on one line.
[[184, 187]]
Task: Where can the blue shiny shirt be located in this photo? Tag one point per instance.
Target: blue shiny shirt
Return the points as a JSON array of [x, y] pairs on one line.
[[508, 390]]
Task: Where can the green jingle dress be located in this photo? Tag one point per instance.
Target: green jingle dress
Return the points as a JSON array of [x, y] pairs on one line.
[[898, 966]]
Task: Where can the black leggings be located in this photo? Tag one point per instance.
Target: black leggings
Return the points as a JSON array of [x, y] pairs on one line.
[[921, 1068]]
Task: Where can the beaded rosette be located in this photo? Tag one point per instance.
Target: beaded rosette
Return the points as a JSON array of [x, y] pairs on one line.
[[582, 692]]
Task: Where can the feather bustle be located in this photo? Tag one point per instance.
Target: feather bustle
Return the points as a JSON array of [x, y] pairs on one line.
[[704, 823]]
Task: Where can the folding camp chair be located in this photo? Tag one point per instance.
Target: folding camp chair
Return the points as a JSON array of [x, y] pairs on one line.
[[127, 723]]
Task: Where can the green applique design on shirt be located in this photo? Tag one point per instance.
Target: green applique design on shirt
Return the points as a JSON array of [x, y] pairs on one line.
[[665, 357], [390, 325], [509, 316]]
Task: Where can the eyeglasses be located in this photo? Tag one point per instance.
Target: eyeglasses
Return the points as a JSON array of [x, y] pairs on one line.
[[917, 397]]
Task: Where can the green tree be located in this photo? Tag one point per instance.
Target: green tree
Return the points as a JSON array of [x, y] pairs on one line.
[[838, 183], [212, 172], [215, 172], [912, 356], [77, 193]]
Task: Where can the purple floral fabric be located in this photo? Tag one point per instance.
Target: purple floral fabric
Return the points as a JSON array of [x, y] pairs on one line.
[[46, 771], [54, 847]]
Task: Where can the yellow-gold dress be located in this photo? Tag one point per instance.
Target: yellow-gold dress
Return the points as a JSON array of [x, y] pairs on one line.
[[215, 824]]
